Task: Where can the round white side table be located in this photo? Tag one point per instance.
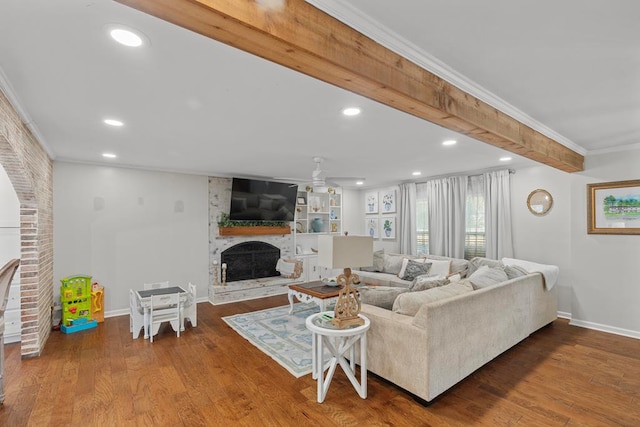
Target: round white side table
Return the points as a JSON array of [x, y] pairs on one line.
[[338, 342]]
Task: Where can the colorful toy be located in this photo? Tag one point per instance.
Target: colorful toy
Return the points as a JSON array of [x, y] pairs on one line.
[[75, 295]]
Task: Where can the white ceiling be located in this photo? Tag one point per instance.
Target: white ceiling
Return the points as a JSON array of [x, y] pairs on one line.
[[191, 104]]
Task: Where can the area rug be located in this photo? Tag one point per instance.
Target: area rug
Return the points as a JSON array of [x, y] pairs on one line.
[[282, 336]]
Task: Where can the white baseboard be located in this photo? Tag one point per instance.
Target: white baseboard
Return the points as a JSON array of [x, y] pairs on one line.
[[605, 328], [599, 327]]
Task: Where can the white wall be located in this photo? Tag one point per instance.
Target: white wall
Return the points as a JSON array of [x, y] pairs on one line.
[[127, 227], [599, 283], [605, 267], [544, 239]]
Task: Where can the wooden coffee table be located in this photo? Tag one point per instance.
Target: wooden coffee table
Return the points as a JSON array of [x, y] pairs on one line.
[[315, 292]]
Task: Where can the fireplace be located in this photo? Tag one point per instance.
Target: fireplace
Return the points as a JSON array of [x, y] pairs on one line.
[[250, 260]]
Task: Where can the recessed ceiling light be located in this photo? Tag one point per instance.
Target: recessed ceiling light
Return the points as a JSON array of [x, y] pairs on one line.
[[126, 37], [505, 159], [450, 142], [351, 111], [109, 155], [416, 173], [113, 122], [359, 182]]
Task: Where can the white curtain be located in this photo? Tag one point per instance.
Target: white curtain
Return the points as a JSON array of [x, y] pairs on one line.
[[407, 230], [446, 199], [497, 193]]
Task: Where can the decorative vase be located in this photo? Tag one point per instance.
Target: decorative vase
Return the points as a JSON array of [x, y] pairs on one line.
[[387, 232], [316, 225]]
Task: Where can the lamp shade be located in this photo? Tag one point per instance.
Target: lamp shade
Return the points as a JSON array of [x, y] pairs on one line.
[[345, 251]]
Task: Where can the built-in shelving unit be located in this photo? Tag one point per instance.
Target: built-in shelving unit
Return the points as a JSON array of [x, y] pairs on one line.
[[320, 213]]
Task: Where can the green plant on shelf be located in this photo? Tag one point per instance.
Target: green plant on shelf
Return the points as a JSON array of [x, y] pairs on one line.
[[225, 221]]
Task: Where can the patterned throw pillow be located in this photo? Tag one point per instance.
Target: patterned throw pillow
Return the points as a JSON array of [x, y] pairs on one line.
[[415, 269]]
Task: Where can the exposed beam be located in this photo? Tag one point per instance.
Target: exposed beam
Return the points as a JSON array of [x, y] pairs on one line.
[[305, 39]]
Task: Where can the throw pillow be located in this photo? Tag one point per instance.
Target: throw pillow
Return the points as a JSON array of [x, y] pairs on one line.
[[405, 262], [415, 268], [426, 281], [440, 268], [477, 262], [486, 276], [393, 263], [409, 303], [381, 296], [458, 265], [514, 271]]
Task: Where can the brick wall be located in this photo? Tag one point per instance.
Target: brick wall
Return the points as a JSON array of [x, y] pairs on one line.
[[31, 173]]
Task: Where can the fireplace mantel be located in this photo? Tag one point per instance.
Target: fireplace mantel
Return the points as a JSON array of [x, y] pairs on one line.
[[253, 231]]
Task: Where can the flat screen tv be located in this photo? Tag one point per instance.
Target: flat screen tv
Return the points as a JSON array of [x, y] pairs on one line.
[[257, 200]]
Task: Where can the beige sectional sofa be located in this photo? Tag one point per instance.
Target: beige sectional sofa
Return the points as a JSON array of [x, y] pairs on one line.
[[447, 339]]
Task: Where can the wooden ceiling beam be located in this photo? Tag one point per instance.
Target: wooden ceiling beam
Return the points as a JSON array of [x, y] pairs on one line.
[[303, 38]]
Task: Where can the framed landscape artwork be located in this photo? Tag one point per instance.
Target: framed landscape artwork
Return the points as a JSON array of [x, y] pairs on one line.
[[388, 201], [371, 202], [371, 227], [613, 207]]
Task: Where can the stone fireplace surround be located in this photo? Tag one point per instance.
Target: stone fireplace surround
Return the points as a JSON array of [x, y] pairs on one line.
[[220, 202]]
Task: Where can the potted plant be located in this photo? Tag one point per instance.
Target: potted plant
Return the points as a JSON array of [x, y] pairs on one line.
[[387, 227]]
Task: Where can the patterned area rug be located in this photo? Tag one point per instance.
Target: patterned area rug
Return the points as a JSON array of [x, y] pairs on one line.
[[282, 336]]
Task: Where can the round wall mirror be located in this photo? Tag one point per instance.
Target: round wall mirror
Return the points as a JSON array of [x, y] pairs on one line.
[[539, 202]]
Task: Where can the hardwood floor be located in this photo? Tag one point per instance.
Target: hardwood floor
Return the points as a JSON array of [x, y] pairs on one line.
[[560, 376]]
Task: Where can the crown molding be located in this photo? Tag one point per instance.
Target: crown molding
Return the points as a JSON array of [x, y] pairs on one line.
[[7, 89], [616, 149], [349, 15]]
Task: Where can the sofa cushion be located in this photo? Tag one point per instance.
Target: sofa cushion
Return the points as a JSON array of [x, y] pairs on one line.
[[409, 303], [477, 262], [382, 279], [486, 276], [381, 296], [440, 268], [424, 282], [412, 268]]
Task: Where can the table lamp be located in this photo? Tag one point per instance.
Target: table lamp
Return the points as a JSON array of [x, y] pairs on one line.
[[344, 252]]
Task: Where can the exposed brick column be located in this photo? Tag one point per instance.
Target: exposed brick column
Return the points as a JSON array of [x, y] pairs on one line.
[[31, 173]]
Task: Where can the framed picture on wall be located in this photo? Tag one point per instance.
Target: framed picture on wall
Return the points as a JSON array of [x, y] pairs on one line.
[[388, 201], [371, 202], [613, 207], [371, 227], [388, 227]]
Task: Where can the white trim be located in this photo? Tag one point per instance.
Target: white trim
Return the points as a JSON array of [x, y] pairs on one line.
[[366, 25], [564, 315], [7, 89], [605, 328], [627, 147]]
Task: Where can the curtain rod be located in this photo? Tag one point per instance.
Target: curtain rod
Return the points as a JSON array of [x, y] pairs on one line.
[[467, 173]]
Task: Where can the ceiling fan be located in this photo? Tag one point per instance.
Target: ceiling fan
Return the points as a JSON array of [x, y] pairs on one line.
[[319, 177]]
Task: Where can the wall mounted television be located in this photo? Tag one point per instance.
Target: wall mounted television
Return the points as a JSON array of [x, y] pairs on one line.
[[257, 200]]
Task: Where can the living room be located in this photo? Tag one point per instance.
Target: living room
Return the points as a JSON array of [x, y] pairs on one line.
[[126, 226]]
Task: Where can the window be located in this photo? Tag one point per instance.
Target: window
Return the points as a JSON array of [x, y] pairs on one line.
[[474, 233], [422, 225]]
